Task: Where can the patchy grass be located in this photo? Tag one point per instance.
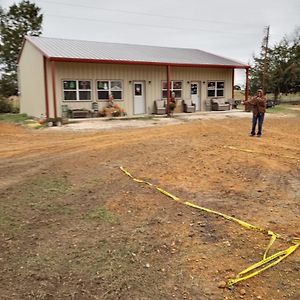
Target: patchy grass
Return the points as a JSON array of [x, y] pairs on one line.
[[35, 198], [104, 215], [54, 208], [7, 221], [14, 118], [285, 109], [45, 187], [22, 119]]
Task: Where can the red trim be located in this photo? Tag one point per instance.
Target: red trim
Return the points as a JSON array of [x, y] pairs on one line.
[[21, 50], [169, 87], [126, 62], [46, 87], [53, 69], [232, 83], [247, 84]]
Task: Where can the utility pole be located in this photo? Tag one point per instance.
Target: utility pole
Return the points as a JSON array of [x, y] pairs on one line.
[[265, 46]]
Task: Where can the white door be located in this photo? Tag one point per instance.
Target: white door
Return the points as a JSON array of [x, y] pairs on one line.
[[195, 94], [138, 98]]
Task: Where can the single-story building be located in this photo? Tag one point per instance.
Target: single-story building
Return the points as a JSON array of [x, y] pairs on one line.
[[59, 73]]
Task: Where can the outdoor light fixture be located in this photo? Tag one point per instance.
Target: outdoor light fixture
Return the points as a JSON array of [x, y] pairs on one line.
[[149, 81], [188, 82], [130, 81]]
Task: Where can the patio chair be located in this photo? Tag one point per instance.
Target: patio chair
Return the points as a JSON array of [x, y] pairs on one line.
[[220, 104], [189, 106], [95, 109], [159, 107], [234, 103]]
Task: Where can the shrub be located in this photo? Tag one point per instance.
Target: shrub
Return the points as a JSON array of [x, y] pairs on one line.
[[8, 106], [4, 105]]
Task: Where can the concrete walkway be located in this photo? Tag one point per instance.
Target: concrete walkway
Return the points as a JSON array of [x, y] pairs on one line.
[[94, 124]]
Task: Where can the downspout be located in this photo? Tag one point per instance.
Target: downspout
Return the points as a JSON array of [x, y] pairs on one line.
[[247, 84], [232, 96], [46, 88], [169, 88], [54, 87]]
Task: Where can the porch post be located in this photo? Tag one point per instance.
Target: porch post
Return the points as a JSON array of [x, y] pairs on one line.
[[53, 71], [46, 87], [169, 88], [232, 96]]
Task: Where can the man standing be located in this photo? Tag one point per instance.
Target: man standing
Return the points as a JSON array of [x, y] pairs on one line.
[[258, 104]]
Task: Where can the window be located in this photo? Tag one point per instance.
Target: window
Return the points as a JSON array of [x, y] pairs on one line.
[[176, 87], [106, 87], [77, 90], [215, 88]]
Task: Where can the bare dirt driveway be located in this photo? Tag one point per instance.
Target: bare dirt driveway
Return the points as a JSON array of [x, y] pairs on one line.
[[73, 226]]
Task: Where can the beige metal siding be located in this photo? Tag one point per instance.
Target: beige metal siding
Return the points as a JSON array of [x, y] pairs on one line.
[[202, 75], [31, 81], [152, 76]]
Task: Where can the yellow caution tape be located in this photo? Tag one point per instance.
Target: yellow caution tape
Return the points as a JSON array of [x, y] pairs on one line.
[[274, 236], [259, 152], [279, 256], [266, 262]]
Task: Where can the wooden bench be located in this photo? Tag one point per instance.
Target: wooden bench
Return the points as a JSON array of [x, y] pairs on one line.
[[80, 113]]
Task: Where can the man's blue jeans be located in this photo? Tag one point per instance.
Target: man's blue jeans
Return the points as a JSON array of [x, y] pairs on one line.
[[260, 118]]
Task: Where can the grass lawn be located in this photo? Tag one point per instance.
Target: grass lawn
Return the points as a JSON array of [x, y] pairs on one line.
[[285, 108], [22, 119], [14, 118]]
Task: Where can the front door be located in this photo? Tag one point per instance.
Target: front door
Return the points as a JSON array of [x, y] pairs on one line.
[[139, 98], [195, 94]]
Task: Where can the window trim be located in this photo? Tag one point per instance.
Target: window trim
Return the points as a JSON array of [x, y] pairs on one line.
[[216, 88], [171, 88], [77, 90], [109, 89]]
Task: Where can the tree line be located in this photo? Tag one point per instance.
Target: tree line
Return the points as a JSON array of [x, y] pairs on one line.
[[277, 67]]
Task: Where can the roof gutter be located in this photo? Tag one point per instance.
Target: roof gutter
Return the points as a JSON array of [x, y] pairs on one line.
[[129, 62]]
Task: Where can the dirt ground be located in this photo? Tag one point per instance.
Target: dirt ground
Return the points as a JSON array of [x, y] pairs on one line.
[[73, 226]]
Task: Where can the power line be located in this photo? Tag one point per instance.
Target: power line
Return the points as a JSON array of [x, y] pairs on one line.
[[142, 13], [150, 26]]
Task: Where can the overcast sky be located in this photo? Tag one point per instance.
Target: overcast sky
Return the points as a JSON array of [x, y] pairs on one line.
[[230, 28]]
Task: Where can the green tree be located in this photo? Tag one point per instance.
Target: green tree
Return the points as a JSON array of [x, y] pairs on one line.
[[21, 19], [281, 68], [8, 85], [283, 61], [256, 74]]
